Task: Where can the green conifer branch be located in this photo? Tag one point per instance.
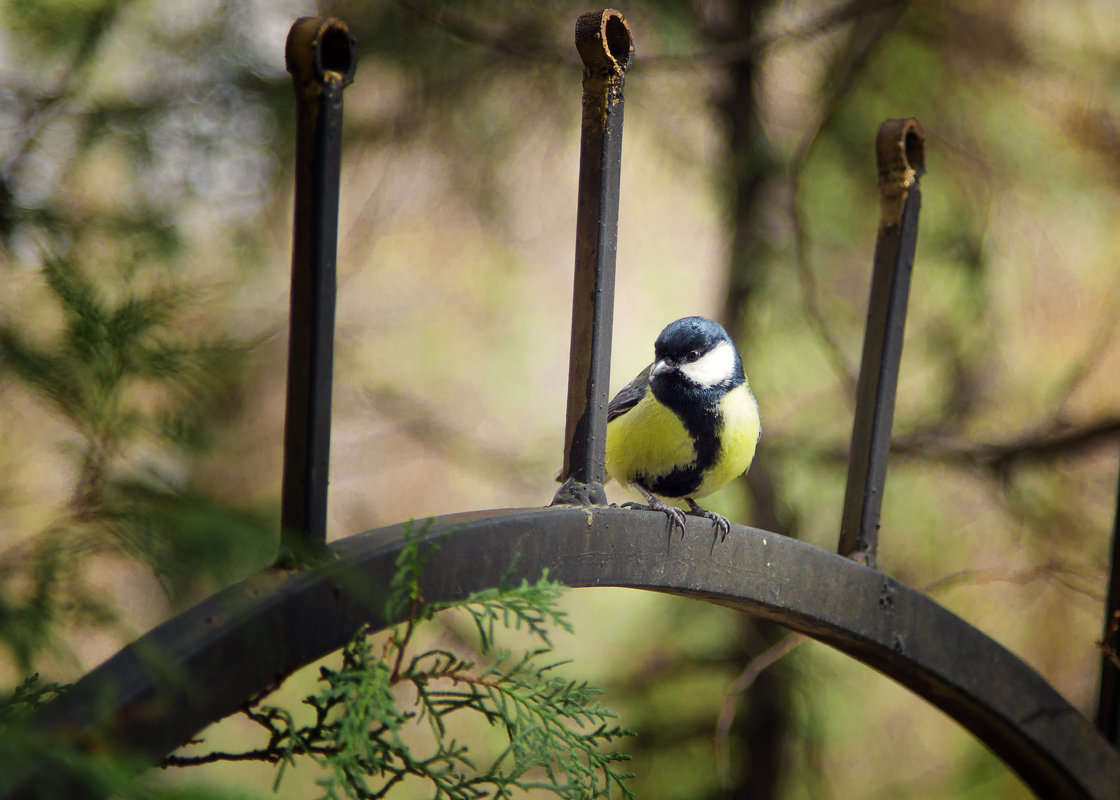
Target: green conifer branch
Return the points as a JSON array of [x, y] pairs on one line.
[[554, 728]]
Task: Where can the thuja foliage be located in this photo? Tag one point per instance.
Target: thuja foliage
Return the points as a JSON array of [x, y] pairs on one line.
[[27, 696], [381, 718], [59, 764], [138, 397], [56, 766]]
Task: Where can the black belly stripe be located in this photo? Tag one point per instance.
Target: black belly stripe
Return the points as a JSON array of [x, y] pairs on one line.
[[698, 410], [681, 482]]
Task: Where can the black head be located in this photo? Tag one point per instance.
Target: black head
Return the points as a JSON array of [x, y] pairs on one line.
[[697, 352]]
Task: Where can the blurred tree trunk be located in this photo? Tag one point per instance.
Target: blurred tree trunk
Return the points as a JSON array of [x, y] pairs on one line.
[[752, 165], [759, 736]]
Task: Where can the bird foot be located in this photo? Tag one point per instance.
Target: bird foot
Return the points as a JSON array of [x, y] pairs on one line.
[[676, 516], [723, 525]]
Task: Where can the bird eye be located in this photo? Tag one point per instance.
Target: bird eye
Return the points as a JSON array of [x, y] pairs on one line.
[[692, 355]]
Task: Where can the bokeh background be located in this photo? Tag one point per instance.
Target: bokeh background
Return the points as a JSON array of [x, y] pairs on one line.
[[145, 207]]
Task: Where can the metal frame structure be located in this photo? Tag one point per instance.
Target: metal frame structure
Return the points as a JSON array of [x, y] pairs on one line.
[[206, 663]]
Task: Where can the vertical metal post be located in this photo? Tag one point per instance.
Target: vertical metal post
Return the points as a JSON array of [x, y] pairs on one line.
[[1108, 700], [607, 49], [900, 152], [320, 57]]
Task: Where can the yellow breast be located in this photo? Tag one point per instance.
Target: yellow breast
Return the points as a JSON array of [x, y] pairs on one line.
[[738, 440], [649, 439]]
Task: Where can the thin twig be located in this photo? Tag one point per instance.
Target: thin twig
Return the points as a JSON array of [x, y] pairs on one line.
[[402, 645], [1051, 570], [755, 667], [862, 42], [1090, 358], [1057, 440], [1054, 442], [512, 41], [267, 755], [517, 43], [739, 50]]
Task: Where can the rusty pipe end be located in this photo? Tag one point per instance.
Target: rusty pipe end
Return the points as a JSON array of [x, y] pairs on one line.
[[320, 48], [900, 150], [604, 41]]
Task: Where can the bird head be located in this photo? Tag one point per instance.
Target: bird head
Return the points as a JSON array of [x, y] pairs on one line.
[[696, 352]]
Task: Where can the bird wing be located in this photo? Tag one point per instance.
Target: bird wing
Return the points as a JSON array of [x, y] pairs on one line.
[[629, 395]]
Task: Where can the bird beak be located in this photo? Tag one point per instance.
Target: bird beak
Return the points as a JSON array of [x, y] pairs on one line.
[[659, 367]]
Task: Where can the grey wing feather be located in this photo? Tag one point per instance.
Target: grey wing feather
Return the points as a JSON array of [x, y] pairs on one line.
[[629, 395]]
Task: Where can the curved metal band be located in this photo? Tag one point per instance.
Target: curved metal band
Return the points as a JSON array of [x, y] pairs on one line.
[[207, 662]]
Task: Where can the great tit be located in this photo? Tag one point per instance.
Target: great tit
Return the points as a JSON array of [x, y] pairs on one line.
[[688, 424]]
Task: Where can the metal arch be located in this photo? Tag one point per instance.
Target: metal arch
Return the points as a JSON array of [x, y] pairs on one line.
[[201, 666]]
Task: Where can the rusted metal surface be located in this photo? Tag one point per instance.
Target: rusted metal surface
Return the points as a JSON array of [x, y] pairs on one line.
[[900, 152], [1108, 699], [604, 43], [320, 56], [201, 666]]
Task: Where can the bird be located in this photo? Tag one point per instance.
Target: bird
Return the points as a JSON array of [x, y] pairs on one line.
[[687, 425]]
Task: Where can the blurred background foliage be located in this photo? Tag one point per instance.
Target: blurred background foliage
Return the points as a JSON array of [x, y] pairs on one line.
[[145, 204]]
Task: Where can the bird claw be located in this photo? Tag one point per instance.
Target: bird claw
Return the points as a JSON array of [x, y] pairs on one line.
[[676, 516], [723, 525]]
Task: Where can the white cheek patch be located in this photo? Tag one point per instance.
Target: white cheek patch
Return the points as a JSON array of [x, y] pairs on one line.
[[715, 366]]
